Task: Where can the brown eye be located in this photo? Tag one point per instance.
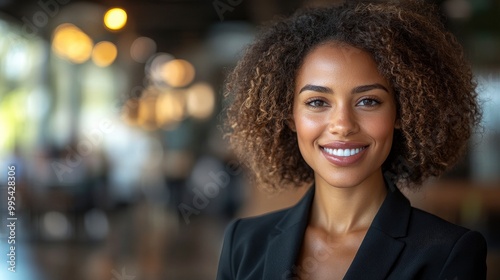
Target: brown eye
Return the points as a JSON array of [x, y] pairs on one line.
[[316, 103], [368, 102]]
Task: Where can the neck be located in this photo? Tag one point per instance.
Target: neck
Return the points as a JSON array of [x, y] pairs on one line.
[[346, 210]]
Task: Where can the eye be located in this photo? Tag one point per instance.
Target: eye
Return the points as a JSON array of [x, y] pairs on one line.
[[369, 102], [316, 103]]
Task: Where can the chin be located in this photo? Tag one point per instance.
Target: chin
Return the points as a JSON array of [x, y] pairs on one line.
[[342, 181]]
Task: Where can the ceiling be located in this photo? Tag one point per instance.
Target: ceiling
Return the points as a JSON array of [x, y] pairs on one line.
[[170, 22], [156, 17]]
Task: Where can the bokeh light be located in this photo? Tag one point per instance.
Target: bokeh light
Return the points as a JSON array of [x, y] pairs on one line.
[[115, 18], [146, 114], [458, 9], [104, 53], [96, 224], [200, 100], [142, 49], [71, 43], [170, 109], [55, 225], [178, 72], [154, 66]]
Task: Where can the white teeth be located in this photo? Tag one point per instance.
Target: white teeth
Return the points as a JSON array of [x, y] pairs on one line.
[[343, 152]]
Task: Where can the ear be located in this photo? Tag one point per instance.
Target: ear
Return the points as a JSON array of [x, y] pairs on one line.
[[291, 124], [397, 124]]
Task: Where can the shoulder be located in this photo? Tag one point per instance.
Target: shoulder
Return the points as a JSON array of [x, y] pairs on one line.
[[243, 234], [257, 227], [423, 222], [431, 229], [267, 226], [246, 241], [437, 249], [452, 247]]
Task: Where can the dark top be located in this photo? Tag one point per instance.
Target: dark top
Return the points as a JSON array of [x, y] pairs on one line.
[[402, 243]]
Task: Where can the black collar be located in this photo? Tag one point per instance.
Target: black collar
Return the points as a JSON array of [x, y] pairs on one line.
[[390, 223]]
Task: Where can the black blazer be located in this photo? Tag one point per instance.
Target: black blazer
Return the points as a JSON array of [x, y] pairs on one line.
[[402, 243]]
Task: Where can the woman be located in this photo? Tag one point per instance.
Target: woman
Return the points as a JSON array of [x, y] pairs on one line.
[[354, 100]]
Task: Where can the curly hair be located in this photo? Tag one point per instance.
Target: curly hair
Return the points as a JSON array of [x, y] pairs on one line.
[[434, 89]]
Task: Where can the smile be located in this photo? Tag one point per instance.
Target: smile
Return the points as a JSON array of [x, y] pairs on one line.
[[343, 152]]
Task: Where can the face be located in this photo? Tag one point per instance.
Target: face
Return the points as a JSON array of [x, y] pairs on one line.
[[344, 114]]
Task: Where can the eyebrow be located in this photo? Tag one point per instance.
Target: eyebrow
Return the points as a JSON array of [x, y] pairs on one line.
[[316, 88], [358, 89]]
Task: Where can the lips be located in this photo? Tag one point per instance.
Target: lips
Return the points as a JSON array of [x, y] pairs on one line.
[[344, 153]]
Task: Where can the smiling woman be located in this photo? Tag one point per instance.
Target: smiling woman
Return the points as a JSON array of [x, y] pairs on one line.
[[356, 108], [344, 116], [344, 126]]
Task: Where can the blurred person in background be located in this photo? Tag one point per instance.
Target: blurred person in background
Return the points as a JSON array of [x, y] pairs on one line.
[[358, 100]]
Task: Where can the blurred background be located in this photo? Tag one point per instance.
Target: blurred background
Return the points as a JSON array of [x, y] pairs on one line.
[[109, 112]]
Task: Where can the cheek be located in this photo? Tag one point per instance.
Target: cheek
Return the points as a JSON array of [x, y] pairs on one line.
[[381, 129], [308, 126]]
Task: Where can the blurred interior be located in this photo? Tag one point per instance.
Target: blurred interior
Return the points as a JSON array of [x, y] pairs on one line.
[[111, 118]]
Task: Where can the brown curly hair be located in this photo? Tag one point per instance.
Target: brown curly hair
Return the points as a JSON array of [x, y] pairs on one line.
[[434, 89]]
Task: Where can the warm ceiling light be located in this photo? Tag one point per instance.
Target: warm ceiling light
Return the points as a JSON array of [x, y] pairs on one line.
[[200, 100], [178, 72], [115, 18], [154, 67], [170, 109], [104, 53], [146, 114], [71, 43]]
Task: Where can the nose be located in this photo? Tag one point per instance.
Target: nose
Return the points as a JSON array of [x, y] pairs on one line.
[[343, 121]]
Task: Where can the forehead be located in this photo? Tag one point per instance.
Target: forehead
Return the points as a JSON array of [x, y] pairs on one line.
[[334, 62]]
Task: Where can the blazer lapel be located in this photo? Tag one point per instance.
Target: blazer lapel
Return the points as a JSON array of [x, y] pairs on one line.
[[284, 247], [380, 248], [378, 251]]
